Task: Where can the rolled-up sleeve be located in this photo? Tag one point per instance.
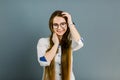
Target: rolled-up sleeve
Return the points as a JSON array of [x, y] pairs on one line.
[[77, 44], [42, 46]]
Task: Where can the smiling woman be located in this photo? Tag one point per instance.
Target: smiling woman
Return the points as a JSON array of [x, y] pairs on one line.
[[55, 52], [59, 26]]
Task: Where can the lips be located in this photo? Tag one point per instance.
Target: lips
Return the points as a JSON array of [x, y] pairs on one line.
[[60, 31]]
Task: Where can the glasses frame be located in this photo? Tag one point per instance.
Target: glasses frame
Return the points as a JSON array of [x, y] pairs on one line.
[[62, 25]]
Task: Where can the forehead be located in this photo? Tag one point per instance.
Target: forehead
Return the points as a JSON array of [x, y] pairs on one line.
[[58, 19]]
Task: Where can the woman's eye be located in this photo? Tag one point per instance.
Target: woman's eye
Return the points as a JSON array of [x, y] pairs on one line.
[[63, 24], [55, 24]]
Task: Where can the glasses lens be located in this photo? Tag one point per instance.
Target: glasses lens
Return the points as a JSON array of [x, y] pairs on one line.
[[55, 25], [63, 24]]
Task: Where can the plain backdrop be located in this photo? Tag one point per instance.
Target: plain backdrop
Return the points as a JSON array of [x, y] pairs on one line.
[[23, 22]]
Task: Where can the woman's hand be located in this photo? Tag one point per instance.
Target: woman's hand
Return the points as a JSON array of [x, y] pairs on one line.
[[68, 16], [55, 39]]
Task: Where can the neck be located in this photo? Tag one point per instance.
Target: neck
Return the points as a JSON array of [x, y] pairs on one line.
[[59, 37]]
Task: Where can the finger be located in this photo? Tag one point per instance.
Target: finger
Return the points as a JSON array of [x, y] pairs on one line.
[[65, 13], [54, 34]]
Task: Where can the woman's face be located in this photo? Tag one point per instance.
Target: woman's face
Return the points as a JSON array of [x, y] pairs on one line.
[[59, 25]]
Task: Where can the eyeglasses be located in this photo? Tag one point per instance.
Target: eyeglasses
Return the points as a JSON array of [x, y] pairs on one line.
[[56, 26]]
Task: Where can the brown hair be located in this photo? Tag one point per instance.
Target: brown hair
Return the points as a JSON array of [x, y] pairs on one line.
[[49, 73]]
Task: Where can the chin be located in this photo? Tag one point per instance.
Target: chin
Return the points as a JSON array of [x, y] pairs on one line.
[[60, 34]]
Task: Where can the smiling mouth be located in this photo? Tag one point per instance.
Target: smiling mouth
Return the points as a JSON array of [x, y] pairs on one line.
[[60, 31]]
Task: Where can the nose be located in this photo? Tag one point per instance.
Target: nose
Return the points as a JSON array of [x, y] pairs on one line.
[[59, 27]]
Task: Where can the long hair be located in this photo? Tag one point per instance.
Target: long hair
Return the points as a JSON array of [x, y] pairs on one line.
[[49, 73]]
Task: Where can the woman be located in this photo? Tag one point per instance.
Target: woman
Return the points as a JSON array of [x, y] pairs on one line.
[[55, 52]]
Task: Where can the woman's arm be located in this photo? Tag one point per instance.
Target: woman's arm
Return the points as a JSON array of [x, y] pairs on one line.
[[77, 40], [75, 34], [51, 53], [48, 57], [44, 57]]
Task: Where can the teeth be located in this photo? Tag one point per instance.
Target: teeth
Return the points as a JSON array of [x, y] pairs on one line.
[[59, 31]]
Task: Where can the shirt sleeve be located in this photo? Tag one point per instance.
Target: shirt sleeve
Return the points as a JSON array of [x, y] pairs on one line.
[[77, 44], [42, 46]]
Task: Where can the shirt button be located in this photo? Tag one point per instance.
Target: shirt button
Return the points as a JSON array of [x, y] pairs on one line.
[[60, 74], [59, 55]]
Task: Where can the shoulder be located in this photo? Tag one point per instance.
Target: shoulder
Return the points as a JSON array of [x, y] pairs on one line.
[[43, 40]]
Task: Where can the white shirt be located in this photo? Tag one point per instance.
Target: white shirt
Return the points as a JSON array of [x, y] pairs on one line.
[[43, 45]]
